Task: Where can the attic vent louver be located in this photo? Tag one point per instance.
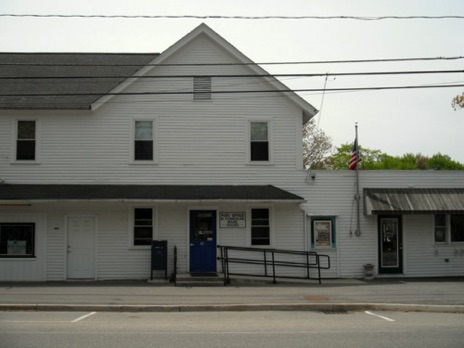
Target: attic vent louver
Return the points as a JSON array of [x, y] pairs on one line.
[[202, 88]]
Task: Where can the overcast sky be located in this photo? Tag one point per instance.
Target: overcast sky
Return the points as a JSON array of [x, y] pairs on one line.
[[395, 121]]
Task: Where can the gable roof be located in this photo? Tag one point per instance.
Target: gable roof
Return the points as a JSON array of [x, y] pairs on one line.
[[35, 65], [308, 110], [46, 70], [169, 193]]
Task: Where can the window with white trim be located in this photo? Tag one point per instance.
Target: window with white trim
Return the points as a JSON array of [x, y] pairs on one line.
[[449, 228], [259, 142], [144, 141], [17, 240], [260, 226], [26, 136], [143, 226]]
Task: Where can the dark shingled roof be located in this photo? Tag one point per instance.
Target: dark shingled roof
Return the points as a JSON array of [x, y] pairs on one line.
[[9, 192], [36, 65], [413, 200]]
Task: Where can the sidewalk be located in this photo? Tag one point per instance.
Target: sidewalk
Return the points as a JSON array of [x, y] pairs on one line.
[[424, 294]]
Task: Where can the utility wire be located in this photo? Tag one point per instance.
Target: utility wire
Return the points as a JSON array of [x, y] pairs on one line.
[[382, 60], [359, 18], [371, 73], [345, 89]]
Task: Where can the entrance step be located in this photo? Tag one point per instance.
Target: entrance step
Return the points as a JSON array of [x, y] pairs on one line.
[[199, 279]]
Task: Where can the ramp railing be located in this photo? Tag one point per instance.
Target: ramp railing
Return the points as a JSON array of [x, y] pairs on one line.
[[271, 263]]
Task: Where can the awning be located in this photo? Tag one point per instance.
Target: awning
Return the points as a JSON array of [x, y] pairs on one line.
[[413, 200], [10, 193]]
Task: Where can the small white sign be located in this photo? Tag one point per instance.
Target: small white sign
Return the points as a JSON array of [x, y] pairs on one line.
[[16, 247], [232, 220]]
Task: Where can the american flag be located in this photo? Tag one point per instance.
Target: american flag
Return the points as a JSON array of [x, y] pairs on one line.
[[354, 158]]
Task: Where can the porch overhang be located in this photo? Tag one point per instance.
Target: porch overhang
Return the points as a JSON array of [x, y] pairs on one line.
[[27, 194], [413, 201]]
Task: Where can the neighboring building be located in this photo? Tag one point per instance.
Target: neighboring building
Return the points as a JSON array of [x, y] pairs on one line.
[[142, 147]]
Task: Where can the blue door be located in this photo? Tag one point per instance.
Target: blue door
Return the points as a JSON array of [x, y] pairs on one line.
[[202, 241]]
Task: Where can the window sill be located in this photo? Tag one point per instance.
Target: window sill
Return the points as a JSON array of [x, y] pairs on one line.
[[25, 162], [260, 163], [18, 258], [146, 163], [140, 247]]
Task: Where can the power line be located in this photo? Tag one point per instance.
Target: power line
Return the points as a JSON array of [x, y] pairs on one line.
[[370, 73], [358, 18], [344, 89], [381, 60]]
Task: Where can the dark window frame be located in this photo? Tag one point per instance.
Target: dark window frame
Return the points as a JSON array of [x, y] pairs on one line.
[[143, 224], [260, 149], [144, 149], [29, 242], [26, 146], [260, 226]]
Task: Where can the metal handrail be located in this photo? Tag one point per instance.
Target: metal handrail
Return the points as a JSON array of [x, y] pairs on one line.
[[308, 264], [174, 273]]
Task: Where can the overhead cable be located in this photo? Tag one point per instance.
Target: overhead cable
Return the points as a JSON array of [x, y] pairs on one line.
[[381, 60], [369, 73], [358, 18]]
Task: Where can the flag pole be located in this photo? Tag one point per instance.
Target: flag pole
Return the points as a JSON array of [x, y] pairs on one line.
[[357, 196]]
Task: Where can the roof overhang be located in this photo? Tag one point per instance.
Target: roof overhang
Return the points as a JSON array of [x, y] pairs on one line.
[[413, 200], [27, 194]]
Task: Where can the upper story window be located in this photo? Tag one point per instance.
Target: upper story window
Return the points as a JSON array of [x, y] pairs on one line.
[[26, 141], [202, 88], [144, 141], [259, 141], [449, 228]]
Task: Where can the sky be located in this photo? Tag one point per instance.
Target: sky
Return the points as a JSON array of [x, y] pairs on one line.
[[393, 121]]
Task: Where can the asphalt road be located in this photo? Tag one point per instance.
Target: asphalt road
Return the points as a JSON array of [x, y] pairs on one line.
[[231, 329]]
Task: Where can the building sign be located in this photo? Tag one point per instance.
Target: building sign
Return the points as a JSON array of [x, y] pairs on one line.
[[16, 247], [232, 220], [323, 233]]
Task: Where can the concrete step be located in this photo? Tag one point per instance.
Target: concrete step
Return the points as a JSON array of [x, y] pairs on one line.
[[191, 280]]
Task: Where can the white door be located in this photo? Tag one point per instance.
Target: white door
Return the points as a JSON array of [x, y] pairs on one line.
[[81, 247]]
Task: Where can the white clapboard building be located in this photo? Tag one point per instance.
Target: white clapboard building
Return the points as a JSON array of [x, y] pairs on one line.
[[100, 154]]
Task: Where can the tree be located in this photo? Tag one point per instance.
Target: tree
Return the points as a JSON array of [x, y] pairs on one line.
[[376, 160], [458, 102], [317, 146]]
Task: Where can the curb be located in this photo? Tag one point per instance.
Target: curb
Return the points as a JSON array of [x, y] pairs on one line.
[[318, 307]]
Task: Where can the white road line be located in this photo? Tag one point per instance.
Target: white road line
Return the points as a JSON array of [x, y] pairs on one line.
[[378, 316], [83, 317]]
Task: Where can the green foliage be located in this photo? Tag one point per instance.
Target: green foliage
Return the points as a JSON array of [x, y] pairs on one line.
[[458, 102], [377, 160]]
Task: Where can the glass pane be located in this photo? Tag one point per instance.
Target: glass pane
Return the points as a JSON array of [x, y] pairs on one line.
[[259, 151], [143, 213], [258, 131], [440, 220], [389, 235], [25, 150], [457, 228], [26, 130], [203, 226], [17, 240], [143, 150], [143, 130], [440, 234]]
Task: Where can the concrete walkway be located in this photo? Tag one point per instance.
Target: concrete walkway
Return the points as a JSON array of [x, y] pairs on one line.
[[425, 294]]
